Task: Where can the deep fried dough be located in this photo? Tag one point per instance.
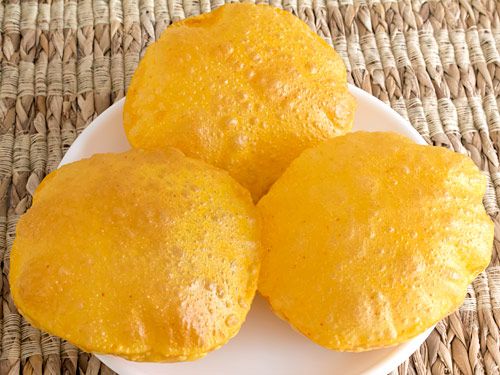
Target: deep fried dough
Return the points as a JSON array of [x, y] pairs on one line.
[[245, 88], [370, 239], [151, 256]]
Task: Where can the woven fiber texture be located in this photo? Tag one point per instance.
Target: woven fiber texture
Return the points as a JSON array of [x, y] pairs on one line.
[[436, 62]]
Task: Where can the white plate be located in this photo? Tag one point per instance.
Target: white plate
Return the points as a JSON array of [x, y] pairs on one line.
[[265, 345]]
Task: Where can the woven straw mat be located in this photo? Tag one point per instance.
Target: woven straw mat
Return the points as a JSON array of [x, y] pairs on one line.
[[435, 62]]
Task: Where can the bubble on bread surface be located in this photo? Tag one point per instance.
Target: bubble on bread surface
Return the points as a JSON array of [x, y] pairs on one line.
[[149, 260], [374, 262], [287, 87]]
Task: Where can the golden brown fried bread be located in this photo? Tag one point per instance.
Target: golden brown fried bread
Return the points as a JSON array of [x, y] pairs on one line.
[[245, 88], [370, 239], [151, 256]]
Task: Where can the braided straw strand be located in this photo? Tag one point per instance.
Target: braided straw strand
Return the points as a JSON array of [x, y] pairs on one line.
[[102, 55], [131, 38], [69, 56], [85, 44], [11, 327], [31, 354], [116, 40]]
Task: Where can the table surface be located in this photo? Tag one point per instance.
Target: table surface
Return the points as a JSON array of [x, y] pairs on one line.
[[435, 62]]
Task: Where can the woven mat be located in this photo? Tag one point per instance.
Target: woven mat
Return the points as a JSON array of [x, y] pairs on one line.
[[65, 61]]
